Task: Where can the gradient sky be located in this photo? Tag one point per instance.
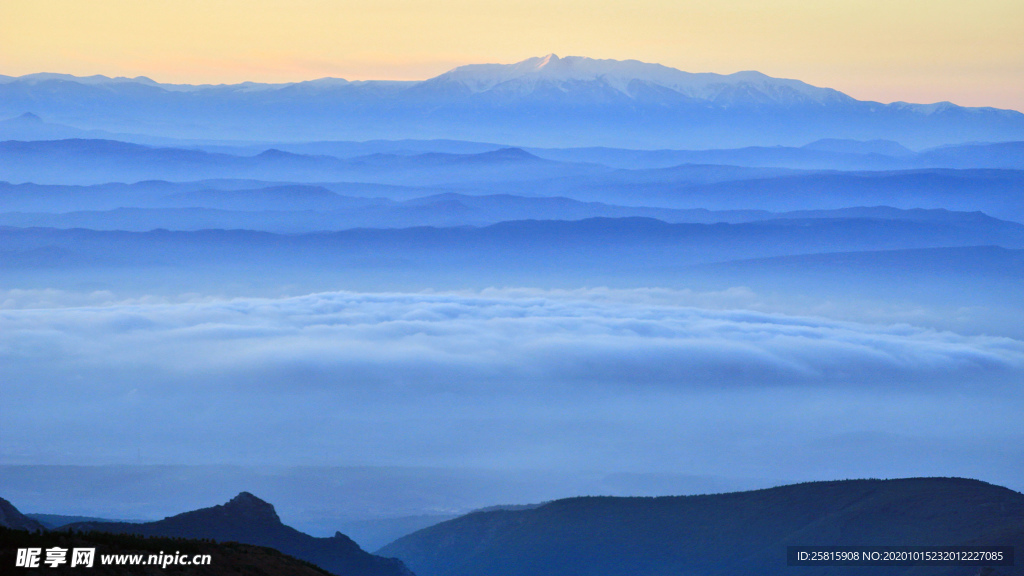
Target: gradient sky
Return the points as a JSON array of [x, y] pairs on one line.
[[886, 50]]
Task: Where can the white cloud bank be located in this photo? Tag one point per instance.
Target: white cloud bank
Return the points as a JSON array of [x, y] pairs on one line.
[[505, 339], [521, 377]]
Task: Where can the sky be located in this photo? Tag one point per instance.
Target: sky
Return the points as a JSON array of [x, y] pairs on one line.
[[884, 50]]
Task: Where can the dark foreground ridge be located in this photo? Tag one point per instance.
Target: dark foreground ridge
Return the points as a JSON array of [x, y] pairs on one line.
[[10, 517], [249, 520], [721, 534], [224, 558]]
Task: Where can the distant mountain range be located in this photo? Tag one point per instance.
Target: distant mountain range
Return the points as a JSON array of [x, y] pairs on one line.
[[975, 184], [626, 244], [249, 520], [547, 101], [51, 521], [78, 161], [294, 209], [720, 534]]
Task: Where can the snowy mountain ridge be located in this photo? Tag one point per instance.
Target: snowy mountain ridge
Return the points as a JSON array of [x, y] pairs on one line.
[[545, 101], [626, 77]]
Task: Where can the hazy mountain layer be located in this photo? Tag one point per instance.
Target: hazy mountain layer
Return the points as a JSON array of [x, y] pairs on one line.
[[100, 161], [51, 521], [826, 154], [586, 246], [241, 210], [954, 272], [506, 171], [994, 192]]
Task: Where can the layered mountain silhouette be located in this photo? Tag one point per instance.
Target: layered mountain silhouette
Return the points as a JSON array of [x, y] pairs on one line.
[[78, 161], [548, 100], [607, 243], [29, 126], [299, 208], [249, 520], [721, 534], [38, 176]]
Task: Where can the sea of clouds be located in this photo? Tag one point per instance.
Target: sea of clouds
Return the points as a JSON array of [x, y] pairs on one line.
[[642, 380]]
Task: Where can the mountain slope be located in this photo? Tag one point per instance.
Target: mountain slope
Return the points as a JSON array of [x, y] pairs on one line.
[[249, 520], [10, 517], [735, 533]]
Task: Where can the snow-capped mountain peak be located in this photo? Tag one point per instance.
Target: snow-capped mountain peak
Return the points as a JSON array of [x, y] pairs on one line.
[[628, 76], [547, 60]]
